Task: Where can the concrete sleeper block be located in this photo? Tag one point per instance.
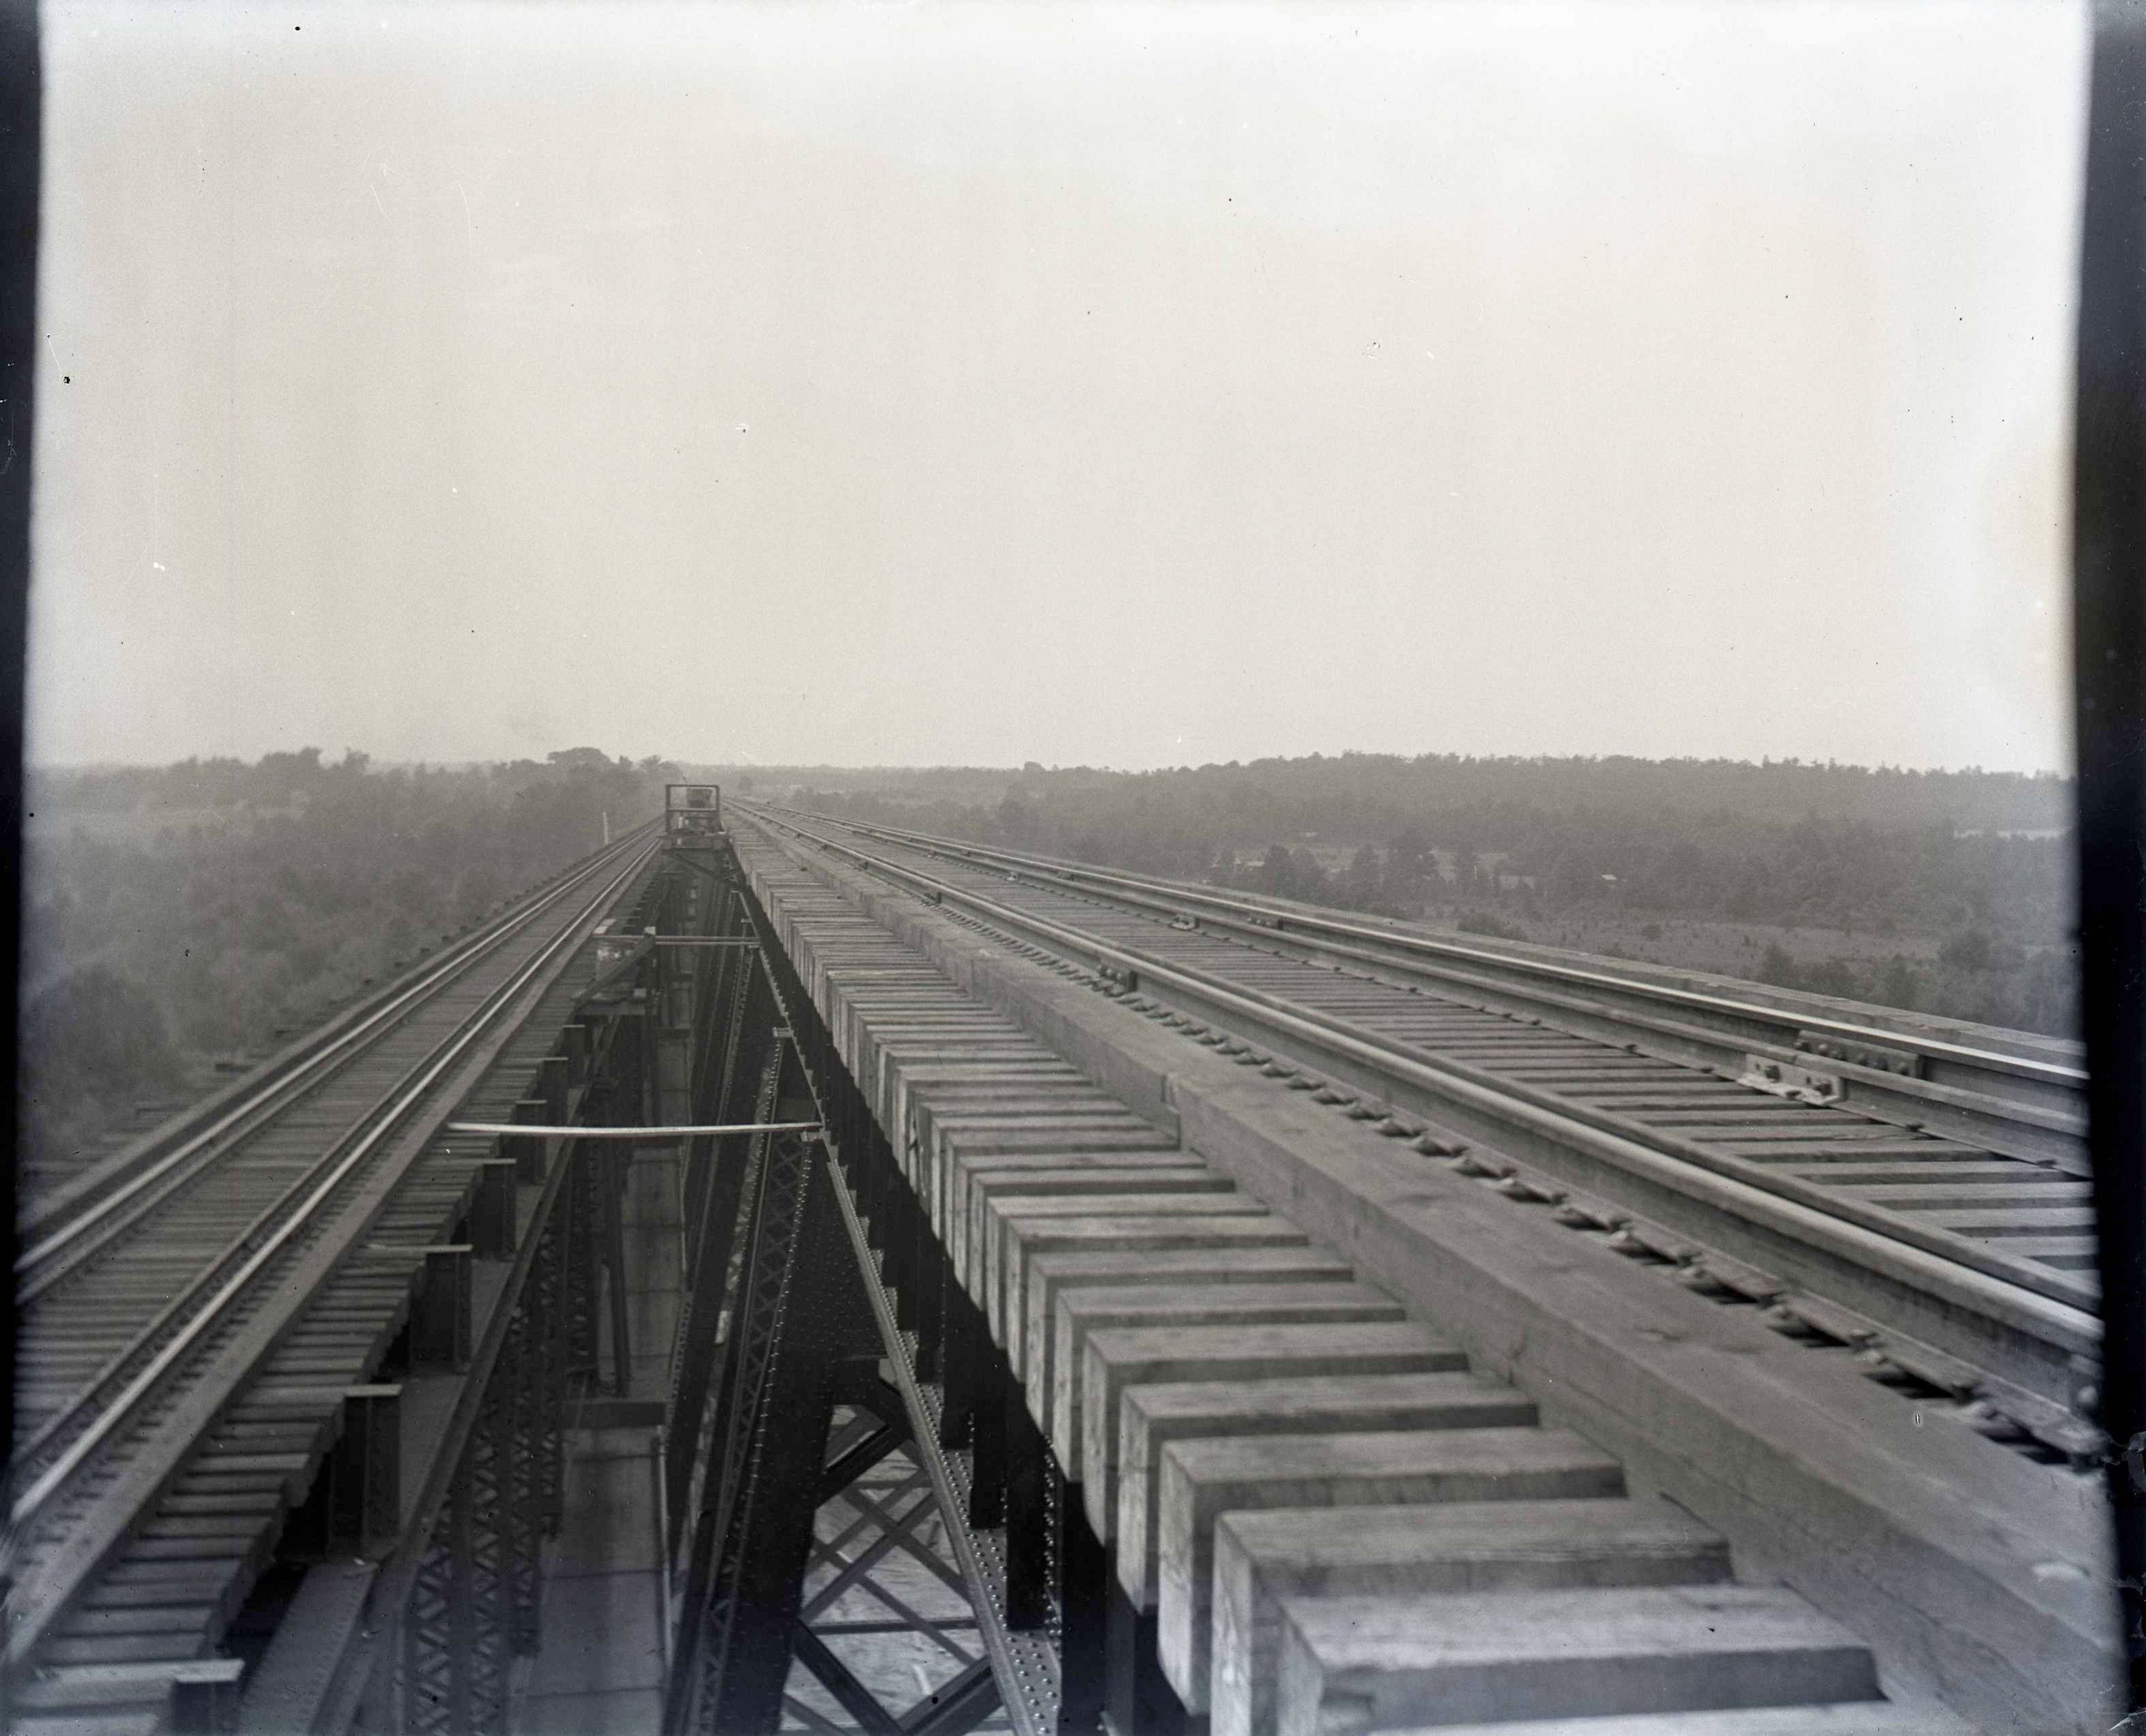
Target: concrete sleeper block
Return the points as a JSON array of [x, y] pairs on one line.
[[1387, 1664], [1081, 1312], [1261, 1558], [1051, 1276], [1122, 1357], [1851, 1718], [1202, 1479], [1025, 1241]]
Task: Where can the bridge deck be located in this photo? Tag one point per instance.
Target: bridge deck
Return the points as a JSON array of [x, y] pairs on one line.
[[1200, 1360]]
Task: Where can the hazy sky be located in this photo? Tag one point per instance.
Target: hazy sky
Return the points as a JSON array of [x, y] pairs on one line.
[[1124, 385]]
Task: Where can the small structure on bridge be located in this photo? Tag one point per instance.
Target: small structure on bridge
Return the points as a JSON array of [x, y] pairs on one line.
[[692, 815]]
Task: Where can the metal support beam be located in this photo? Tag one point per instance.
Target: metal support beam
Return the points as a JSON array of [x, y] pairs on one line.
[[355, 1506], [795, 1315], [987, 1425], [1084, 1583], [957, 1707], [810, 1258], [491, 1226], [1031, 1546], [836, 1677], [1138, 1697], [702, 1360], [614, 1169], [205, 1696], [440, 1321], [463, 1594], [478, 1598], [526, 1148]]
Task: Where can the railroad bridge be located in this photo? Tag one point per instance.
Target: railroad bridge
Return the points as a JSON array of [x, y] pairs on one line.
[[787, 1273]]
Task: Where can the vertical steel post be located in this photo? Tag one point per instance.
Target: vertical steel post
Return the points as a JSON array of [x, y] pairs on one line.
[[492, 1212], [525, 1379], [927, 1285], [820, 1321], [1084, 1583], [488, 1538], [704, 1365], [440, 1319], [962, 1361], [462, 1614], [546, 1295], [617, 1170], [987, 1425], [1028, 1544]]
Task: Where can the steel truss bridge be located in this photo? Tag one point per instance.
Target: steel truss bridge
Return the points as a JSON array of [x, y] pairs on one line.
[[813, 1276], [783, 1274]]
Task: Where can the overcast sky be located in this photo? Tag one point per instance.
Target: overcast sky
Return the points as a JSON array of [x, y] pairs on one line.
[[1127, 386]]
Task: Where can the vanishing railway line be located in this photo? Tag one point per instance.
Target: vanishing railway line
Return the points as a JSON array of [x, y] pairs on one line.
[[1146, 1227], [2016, 1091], [1335, 1406], [1909, 1187], [193, 1308]]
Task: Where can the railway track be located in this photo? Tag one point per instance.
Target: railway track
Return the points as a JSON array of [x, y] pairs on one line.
[[2015, 1092], [194, 1309], [1923, 1200], [1313, 1465]]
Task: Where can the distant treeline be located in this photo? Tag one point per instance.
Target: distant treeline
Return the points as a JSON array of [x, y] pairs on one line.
[[1373, 796], [1973, 866], [179, 913]]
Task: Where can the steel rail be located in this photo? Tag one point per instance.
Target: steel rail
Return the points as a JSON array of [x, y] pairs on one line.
[[1613, 1005], [297, 1072], [277, 1099], [650, 1135], [27, 1507], [1271, 918], [2048, 1306], [75, 1194]]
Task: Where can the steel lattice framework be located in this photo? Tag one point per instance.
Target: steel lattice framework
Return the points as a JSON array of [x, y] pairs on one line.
[[477, 1600], [463, 1594], [818, 1308], [843, 1324]]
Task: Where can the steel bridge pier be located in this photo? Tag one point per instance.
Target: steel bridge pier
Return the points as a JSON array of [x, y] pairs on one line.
[[843, 1325]]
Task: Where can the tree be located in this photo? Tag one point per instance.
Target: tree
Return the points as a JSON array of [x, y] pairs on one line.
[[1898, 985], [1360, 881]]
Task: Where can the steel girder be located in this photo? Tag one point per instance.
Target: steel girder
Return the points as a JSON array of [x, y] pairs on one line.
[[478, 1596], [885, 1596], [751, 1521], [790, 1239], [474, 1571], [1048, 1574]]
